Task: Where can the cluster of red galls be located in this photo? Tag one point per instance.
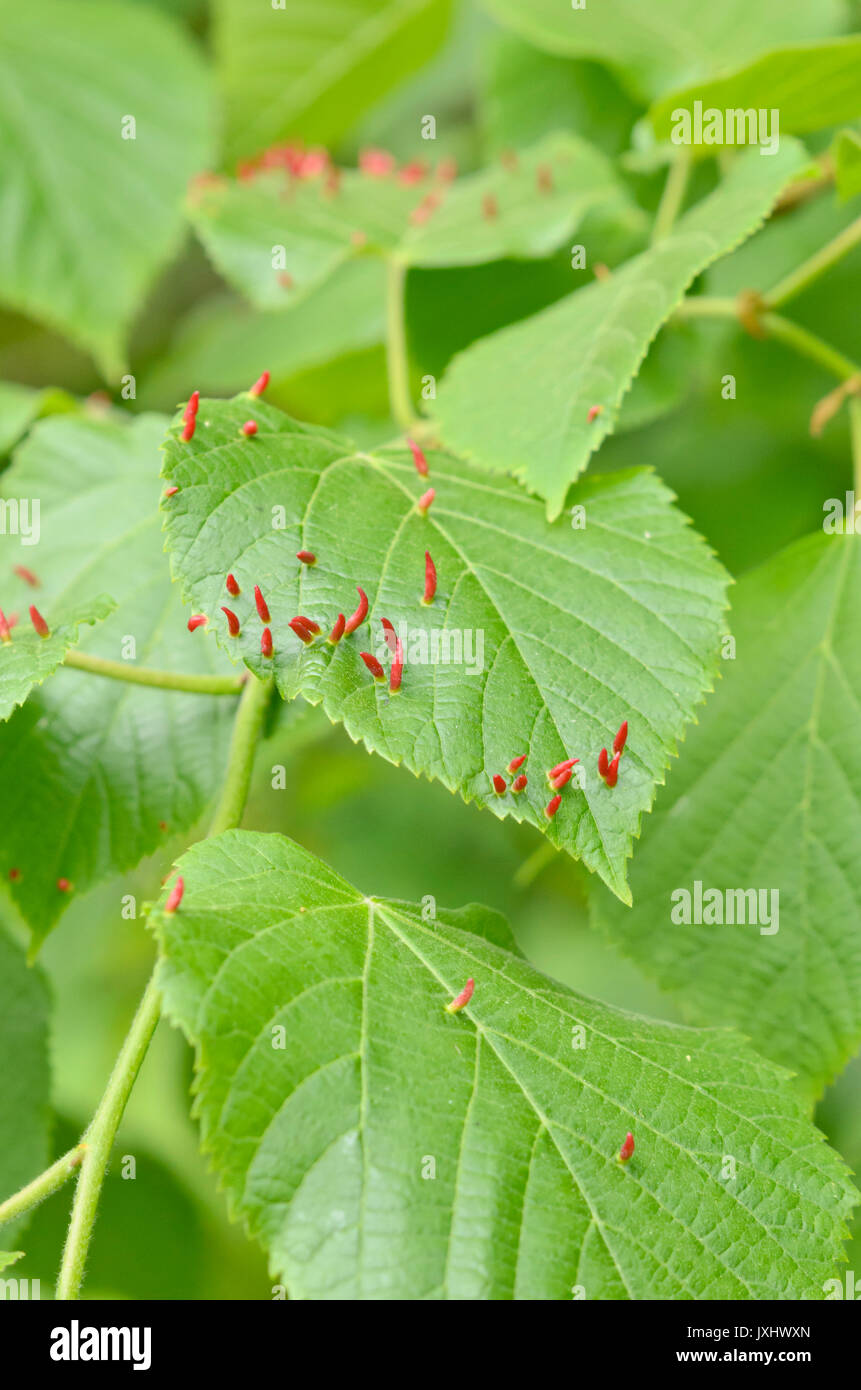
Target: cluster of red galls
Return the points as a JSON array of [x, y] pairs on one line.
[[560, 775]]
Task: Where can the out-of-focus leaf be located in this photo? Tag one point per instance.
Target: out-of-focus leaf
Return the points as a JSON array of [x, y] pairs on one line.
[[846, 152], [25, 1074]]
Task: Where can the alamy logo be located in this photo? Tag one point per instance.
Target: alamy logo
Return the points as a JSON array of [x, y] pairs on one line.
[[733, 126], [451, 646], [76, 1343], [20, 517], [730, 907]]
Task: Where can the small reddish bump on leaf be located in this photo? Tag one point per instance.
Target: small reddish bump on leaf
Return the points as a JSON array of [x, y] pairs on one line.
[[188, 429], [39, 622], [197, 620], [249, 428], [12, 620], [300, 630], [373, 666], [560, 768], [627, 1148], [27, 575], [430, 579], [499, 784], [266, 642], [232, 621], [508, 159], [191, 408], [377, 163], [260, 385], [462, 999], [232, 587], [309, 623], [613, 772], [413, 172], [419, 459], [169, 491], [619, 740], [162, 825], [489, 207], [14, 874], [446, 170], [517, 762], [337, 630], [593, 412], [562, 780], [601, 271], [358, 237], [425, 501], [519, 782], [175, 897], [261, 605], [5, 635], [360, 614], [389, 635], [552, 807], [306, 556], [603, 763], [545, 178], [63, 884], [397, 671]]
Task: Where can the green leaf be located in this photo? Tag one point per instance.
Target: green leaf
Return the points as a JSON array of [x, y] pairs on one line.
[[768, 797], [657, 46], [21, 405], [223, 347], [9, 1257], [25, 1074], [519, 401], [807, 87], [523, 210], [27, 659], [324, 1138], [89, 216], [311, 70], [846, 152], [92, 769], [541, 639]]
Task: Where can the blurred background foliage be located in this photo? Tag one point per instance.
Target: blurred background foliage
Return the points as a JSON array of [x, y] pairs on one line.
[[747, 472]]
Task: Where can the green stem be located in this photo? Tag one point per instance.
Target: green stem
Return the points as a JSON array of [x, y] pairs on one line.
[[99, 1138], [784, 330], [810, 270], [36, 1191], [855, 434], [164, 680], [672, 196], [397, 361]]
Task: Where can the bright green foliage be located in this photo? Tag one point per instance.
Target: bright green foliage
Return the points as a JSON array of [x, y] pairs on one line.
[[519, 401], [311, 69], [768, 796], [330, 1078], [522, 208], [88, 216], [579, 629], [25, 1077], [9, 1257], [847, 163], [27, 658], [655, 46], [21, 405], [91, 768], [810, 86]]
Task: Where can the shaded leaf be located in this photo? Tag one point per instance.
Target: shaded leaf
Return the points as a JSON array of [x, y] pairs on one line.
[[768, 798], [846, 151], [24, 1077], [330, 1078], [27, 659]]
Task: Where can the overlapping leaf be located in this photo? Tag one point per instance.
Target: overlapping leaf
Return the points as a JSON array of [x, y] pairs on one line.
[[24, 1077], [525, 208], [302, 68], [768, 799], [521, 400], [26, 658], [94, 772], [87, 216], [660, 45], [809, 86], [540, 640], [847, 164], [381, 1148]]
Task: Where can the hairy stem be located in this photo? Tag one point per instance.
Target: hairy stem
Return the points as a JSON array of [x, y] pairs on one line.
[[36, 1191], [785, 331], [100, 1135], [810, 270], [672, 196], [397, 361], [164, 680]]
